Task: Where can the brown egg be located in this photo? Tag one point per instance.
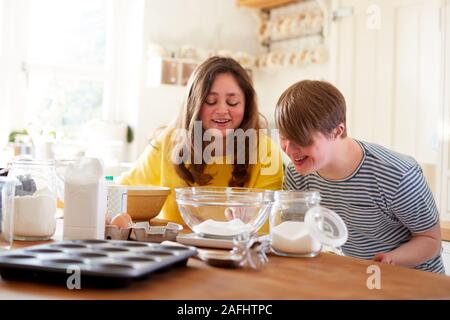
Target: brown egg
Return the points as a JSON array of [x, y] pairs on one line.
[[122, 220]]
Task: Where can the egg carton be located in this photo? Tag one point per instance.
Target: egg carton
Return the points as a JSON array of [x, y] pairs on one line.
[[142, 231], [101, 263]]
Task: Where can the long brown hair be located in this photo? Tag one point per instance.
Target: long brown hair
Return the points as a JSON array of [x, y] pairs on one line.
[[198, 88]]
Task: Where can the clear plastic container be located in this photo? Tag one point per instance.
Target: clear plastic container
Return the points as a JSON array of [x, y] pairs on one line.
[[299, 227], [35, 199]]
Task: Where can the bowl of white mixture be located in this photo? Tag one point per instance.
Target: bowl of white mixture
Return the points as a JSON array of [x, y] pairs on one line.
[[224, 212]]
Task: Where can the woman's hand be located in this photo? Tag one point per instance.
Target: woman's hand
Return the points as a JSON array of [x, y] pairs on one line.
[[243, 214], [384, 257]]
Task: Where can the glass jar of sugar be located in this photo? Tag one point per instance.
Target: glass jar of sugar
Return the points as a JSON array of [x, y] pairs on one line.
[[35, 199], [299, 226]]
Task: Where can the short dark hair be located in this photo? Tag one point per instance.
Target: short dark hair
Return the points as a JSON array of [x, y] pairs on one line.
[[307, 107]]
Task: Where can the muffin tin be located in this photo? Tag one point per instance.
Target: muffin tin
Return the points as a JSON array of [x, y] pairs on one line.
[[102, 263]]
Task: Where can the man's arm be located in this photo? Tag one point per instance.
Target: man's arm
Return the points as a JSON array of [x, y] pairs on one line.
[[421, 248]]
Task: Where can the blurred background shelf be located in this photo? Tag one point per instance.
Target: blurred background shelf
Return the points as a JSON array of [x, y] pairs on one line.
[[263, 4]]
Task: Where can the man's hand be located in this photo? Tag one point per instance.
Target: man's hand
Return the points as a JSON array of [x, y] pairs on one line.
[[422, 247], [384, 257]]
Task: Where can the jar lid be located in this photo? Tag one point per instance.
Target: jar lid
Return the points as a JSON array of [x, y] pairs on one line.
[[298, 196], [326, 226]]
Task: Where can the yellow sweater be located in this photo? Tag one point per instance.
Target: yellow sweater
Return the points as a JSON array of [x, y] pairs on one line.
[[154, 168]]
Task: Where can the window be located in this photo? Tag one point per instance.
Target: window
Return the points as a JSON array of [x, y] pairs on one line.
[[62, 69], [65, 63]]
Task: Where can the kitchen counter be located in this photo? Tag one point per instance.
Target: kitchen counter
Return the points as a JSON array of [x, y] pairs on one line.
[[325, 277]]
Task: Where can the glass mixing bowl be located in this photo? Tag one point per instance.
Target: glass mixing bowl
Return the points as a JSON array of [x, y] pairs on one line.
[[224, 212]]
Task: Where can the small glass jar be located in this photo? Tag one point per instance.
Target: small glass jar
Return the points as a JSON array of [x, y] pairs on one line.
[[299, 227], [35, 199], [288, 233]]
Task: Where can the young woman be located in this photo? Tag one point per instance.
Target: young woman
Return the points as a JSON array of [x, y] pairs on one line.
[[193, 151], [381, 195]]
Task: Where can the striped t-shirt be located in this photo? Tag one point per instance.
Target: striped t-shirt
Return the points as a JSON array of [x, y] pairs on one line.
[[382, 203]]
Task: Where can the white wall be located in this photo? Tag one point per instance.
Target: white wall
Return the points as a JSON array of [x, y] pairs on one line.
[[444, 167], [271, 83], [217, 24]]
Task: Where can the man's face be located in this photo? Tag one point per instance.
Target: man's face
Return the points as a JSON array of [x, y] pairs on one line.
[[312, 158]]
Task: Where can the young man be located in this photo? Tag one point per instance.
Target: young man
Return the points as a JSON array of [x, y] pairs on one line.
[[381, 195]]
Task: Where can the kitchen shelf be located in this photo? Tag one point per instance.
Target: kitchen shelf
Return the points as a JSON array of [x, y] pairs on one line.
[[264, 4], [268, 43], [172, 71], [297, 20], [169, 71]]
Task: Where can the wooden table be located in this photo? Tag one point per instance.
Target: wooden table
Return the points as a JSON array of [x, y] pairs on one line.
[[325, 277]]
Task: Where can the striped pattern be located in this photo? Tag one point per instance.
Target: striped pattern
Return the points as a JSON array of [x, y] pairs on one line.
[[382, 203]]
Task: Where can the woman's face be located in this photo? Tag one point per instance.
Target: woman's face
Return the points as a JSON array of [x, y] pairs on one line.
[[224, 106], [311, 158]]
